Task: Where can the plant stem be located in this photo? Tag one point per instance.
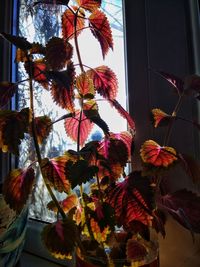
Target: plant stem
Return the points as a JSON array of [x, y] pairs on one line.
[[76, 41], [84, 28], [79, 131], [99, 187], [37, 149], [169, 130], [79, 126]]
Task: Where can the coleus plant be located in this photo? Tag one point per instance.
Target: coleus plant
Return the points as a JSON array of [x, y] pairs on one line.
[[117, 213]]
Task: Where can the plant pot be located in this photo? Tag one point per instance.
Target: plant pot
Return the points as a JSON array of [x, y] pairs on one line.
[[122, 252], [87, 263], [12, 234]]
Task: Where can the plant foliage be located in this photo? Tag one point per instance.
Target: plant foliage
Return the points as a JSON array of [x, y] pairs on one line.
[[98, 195]]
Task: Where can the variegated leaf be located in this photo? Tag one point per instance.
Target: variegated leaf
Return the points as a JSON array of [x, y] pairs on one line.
[[90, 5], [17, 187], [77, 123], [105, 81], [101, 29], [156, 155], [68, 24]]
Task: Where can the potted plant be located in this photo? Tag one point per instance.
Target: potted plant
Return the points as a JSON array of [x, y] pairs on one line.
[[111, 223]]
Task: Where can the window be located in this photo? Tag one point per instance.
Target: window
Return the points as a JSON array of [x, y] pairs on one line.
[[39, 26]]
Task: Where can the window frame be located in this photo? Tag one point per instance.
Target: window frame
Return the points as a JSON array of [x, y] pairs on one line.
[[5, 60]]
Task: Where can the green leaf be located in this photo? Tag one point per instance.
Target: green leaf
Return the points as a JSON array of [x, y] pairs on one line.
[[80, 172], [18, 41]]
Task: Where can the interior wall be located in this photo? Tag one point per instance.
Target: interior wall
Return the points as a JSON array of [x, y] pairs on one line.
[[159, 37]]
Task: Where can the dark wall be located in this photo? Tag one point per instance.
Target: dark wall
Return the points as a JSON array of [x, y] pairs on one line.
[[163, 35], [5, 66], [159, 38]]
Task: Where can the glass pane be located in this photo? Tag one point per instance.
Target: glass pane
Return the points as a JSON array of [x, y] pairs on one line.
[[39, 25]]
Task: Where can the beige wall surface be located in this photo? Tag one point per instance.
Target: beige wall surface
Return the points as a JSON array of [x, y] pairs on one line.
[[178, 248]]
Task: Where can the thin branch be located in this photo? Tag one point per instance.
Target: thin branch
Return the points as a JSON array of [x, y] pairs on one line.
[[34, 133]]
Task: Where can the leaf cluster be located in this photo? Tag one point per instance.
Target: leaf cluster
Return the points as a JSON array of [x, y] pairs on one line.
[[99, 195]]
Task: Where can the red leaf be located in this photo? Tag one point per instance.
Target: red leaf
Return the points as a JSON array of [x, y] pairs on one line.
[[81, 263], [90, 5], [85, 86], [111, 159], [123, 113], [160, 117], [90, 110], [115, 150], [54, 171], [192, 85], [13, 125], [105, 81], [126, 138], [67, 204], [17, 187], [184, 206], [43, 128], [191, 166], [68, 27], [37, 48], [100, 28], [72, 127], [128, 203], [7, 90], [141, 251], [192, 82], [62, 89], [70, 202], [60, 238], [58, 53], [152, 153], [21, 56], [37, 69], [175, 81], [63, 97], [159, 221], [135, 250]]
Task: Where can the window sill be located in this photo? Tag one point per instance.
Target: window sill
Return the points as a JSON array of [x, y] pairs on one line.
[[35, 251], [30, 260]]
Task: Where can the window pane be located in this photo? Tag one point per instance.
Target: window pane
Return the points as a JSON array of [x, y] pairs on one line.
[[39, 25]]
